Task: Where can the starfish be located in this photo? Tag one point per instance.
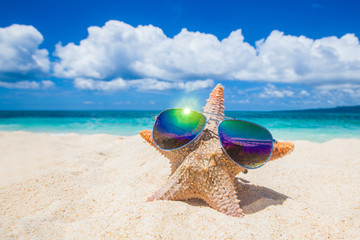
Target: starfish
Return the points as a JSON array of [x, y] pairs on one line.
[[202, 169]]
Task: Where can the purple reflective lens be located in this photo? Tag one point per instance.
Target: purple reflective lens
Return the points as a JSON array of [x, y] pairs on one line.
[[246, 143]]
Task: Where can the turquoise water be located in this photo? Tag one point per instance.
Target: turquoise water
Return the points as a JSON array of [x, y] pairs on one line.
[[312, 126]]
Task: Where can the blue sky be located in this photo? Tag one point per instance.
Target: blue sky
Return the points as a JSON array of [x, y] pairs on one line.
[[269, 55]]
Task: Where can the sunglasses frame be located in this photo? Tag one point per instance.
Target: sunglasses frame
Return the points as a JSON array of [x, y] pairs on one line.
[[218, 124]]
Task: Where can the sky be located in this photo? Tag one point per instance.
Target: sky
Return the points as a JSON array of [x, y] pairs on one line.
[[154, 55]]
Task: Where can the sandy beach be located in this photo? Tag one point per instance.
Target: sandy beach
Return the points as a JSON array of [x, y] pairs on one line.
[[95, 187]]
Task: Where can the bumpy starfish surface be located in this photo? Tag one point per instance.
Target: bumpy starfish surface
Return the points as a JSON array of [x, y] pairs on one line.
[[202, 169]]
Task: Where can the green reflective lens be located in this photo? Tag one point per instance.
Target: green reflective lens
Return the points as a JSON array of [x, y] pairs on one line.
[[175, 128]]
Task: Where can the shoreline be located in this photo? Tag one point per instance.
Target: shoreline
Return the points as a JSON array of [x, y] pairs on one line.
[[125, 136], [75, 186]]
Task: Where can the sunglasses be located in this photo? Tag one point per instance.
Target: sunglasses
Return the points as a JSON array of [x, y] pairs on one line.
[[247, 144]]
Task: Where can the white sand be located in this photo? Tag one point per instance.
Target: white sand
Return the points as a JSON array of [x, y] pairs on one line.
[[95, 187]]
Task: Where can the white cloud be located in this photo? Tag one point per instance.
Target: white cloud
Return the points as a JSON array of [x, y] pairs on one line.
[[153, 84], [90, 84], [240, 101], [118, 50], [27, 84], [304, 93], [20, 56], [196, 85], [108, 52], [248, 90], [146, 84], [340, 90], [150, 60], [21, 85], [271, 91], [47, 84], [299, 59], [337, 86]]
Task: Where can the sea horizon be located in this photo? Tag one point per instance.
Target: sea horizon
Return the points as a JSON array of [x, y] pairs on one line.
[[316, 125], [351, 108]]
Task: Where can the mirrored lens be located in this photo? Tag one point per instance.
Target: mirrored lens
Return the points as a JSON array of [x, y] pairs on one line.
[[176, 127], [248, 144]]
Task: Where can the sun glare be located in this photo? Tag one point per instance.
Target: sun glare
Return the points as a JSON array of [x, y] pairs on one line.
[[186, 111]]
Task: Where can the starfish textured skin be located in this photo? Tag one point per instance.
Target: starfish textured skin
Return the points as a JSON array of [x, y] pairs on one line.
[[202, 169]]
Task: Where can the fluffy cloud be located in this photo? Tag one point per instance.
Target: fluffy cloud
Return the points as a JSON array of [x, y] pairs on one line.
[[145, 52], [340, 90], [304, 93], [140, 84], [301, 59], [270, 91], [118, 49], [153, 84], [90, 84], [20, 56], [27, 84], [149, 60], [47, 84]]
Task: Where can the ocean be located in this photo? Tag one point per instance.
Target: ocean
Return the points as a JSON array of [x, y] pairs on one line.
[[316, 126]]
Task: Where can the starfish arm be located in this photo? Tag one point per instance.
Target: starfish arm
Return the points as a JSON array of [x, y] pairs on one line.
[[217, 190], [176, 157], [280, 149], [178, 187], [222, 195]]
